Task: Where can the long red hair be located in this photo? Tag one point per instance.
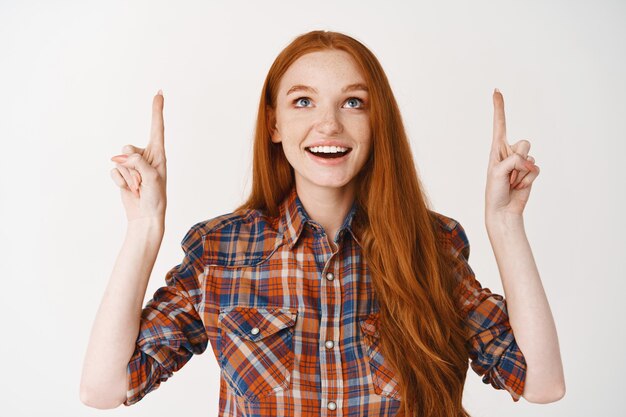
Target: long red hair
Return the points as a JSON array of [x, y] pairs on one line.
[[421, 330]]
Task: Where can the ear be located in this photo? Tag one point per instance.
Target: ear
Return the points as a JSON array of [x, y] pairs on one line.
[[271, 125]]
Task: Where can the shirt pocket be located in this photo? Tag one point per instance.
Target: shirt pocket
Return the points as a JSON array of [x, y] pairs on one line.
[[256, 349], [383, 376]]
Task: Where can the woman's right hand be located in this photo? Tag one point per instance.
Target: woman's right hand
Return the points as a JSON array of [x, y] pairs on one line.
[[141, 172]]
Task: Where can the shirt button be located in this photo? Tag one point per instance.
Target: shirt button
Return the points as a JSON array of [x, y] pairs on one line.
[[330, 276], [255, 330], [330, 344], [332, 405]]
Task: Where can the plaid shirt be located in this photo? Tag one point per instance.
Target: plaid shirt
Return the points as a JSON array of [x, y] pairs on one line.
[[292, 324]]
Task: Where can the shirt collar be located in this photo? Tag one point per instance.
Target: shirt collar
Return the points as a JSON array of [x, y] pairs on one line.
[[293, 218]]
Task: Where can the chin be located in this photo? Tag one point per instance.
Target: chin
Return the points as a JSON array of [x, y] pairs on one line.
[[316, 180], [331, 184]]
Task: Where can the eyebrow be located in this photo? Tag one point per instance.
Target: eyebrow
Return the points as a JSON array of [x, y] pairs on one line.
[[351, 87]]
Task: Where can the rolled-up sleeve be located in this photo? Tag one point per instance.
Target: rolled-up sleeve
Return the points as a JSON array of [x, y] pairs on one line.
[[171, 329], [494, 353]]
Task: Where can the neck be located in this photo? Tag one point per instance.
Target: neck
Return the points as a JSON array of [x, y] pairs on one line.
[[327, 206]]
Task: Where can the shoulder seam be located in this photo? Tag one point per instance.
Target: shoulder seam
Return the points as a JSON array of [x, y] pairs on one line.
[[224, 220], [447, 222]]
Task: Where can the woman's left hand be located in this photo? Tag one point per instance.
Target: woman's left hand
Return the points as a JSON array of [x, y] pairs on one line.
[[511, 170]]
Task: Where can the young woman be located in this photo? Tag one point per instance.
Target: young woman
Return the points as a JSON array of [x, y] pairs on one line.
[[334, 289]]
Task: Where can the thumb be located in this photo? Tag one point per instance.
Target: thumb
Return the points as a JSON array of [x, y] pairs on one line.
[[512, 162], [137, 162], [129, 149]]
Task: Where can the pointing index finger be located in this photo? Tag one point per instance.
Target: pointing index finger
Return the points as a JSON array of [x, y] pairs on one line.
[[157, 129], [499, 126]]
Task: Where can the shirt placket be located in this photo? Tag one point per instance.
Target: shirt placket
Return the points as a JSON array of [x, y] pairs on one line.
[[329, 349]]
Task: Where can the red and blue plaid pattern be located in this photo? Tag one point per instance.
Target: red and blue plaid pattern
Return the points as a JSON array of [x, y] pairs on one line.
[[294, 325]]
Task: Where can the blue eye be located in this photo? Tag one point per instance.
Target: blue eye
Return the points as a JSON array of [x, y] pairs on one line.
[[355, 98], [350, 100], [301, 98]]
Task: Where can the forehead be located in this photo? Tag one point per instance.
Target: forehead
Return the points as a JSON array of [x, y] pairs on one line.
[[320, 68]]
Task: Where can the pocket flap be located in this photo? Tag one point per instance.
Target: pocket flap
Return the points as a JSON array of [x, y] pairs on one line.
[[255, 323], [369, 324]]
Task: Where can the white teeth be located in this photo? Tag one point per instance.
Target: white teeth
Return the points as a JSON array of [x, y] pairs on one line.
[[328, 149]]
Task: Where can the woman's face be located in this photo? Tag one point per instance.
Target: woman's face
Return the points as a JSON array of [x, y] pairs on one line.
[[323, 120]]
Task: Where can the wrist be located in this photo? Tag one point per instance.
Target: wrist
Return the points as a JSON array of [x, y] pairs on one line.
[[147, 226], [503, 222]]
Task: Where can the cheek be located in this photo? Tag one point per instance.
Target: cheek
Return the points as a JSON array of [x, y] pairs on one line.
[[361, 129], [294, 130], [365, 137]]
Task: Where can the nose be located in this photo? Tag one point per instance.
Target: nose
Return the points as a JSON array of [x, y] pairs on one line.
[[329, 124]]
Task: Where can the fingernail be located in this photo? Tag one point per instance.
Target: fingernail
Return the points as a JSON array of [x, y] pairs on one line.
[[160, 92], [496, 90], [119, 158]]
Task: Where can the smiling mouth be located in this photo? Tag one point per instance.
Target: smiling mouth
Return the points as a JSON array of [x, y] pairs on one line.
[[328, 152]]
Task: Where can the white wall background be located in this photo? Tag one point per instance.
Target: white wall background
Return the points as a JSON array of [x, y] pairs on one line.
[[76, 84]]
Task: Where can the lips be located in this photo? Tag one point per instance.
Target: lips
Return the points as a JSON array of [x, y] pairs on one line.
[[328, 155]]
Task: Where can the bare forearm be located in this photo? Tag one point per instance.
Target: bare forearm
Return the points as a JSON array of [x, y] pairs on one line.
[[529, 311], [116, 325]]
